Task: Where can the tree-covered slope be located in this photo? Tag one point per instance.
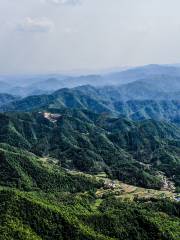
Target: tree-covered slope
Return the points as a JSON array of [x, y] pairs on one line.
[[7, 98], [158, 110], [23, 170], [130, 151], [136, 101], [60, 99], [29, 216], [24, 217]]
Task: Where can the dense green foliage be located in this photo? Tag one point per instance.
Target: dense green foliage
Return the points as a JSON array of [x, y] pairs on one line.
[[24, 170], [132, 152], [28, 216]]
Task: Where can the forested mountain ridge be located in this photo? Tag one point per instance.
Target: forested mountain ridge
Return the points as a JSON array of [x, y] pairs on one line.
[[32, 216], [93, 142], [102, 100], [7, 98]]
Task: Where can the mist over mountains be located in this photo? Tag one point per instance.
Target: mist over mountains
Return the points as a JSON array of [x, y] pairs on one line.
[[164, 77], [148, 92]]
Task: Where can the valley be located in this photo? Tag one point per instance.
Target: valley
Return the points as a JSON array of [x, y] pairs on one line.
[[127, 192]]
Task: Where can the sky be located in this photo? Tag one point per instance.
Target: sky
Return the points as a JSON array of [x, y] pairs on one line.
[[43, 36]]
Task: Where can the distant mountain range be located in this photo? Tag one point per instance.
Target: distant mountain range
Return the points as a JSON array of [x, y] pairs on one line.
[[137, 101], [45, 84]]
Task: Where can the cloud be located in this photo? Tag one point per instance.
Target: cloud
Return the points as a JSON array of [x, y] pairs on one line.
[[64, 2], [69, 31], [35, 25]]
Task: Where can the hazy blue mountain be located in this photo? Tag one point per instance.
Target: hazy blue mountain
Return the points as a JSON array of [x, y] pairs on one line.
[[25, 85], [106, 100], [24, 80], [93, 80], [148, 72], [62, 98], [24, 92], [4, 87], [163, 83], [160, 75], [51, 84], [142, 72], [164, 110], [54, 83], [155, 88], [7, 98]]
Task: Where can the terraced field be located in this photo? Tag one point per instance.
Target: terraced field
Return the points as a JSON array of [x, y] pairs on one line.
[[125, 191]]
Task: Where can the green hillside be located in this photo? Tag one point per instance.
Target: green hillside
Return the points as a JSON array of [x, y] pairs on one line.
[[29, 216], [40, 200], [134, 152], [23, 170]]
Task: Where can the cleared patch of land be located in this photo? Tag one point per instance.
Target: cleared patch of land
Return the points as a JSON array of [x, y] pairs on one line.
[[125, 191]]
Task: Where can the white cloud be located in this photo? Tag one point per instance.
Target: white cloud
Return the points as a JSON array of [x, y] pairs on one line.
[[63, 2], [35, 25], [93, 34], [70, 31]]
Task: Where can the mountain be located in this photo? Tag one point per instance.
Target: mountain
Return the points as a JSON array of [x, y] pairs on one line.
[[145, 104], [32, 216], [164, 110], [25, 85], [7, 98], [93, 143], [158, 88], [99, 160], [23, 170], [42, 199], [25, 80], [59, 99], [50, 84], [142, 72], [4, 87], [163, 76]]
